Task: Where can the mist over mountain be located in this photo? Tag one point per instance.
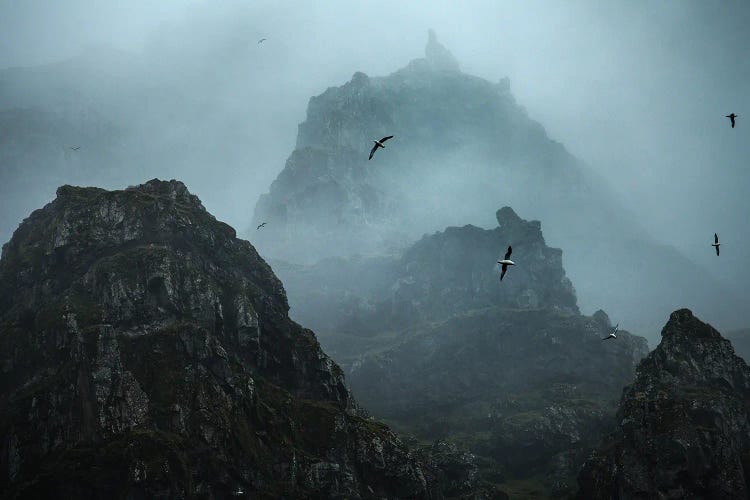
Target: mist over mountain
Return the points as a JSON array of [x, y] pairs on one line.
[[185, 91], [462, 145], [146, 350]]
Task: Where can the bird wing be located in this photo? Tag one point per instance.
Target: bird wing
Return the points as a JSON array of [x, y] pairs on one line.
[[372, 151], [717, 249], [386, 138], [507, 254], [505, 268], [716, 238]]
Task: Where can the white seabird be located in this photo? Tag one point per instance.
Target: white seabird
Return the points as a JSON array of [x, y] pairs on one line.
[[612, 333], [378, 144], [506, 262]]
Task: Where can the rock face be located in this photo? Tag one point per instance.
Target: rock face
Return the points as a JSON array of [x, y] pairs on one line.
[[462, 145], [684, 430], [444, 274], [456, 271], [145, 350], [436, 345]]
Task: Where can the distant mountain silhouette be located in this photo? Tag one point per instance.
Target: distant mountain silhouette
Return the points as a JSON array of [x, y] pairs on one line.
[[464, 147]]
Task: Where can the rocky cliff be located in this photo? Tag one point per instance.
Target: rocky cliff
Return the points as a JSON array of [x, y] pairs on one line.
[[147, 351], [462, 146], [683, 424]]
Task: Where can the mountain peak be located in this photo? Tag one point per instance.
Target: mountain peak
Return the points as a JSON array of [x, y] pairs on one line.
[[682, 323], [507, 216], [686, 412], [438, 57], [132, 311]]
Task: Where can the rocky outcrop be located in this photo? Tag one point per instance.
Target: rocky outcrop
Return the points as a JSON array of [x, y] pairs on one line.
[[443, 274], [145, 350], [683, 424], [455, 271]]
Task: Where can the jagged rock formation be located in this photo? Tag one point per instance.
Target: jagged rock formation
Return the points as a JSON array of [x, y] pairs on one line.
[[683, 424], [145, 350], [462, 145], [443, 274], [436, 345]]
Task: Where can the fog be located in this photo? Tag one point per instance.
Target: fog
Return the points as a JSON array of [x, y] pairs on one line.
[[636, 90]]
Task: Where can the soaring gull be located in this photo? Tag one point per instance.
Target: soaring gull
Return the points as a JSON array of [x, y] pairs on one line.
[[506, 262], [716, 243], [612, 333], [378, 144]]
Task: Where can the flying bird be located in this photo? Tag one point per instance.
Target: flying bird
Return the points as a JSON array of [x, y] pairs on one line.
[[612, 333], [75, 148], [716, 243], [378, 144], [732, 117], [506, 262], [260, 226], [261, 41]]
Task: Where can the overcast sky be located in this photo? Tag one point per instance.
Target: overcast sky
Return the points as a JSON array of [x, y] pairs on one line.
[[636, 89]]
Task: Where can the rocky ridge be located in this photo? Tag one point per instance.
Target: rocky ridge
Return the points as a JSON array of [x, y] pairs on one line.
[[144, 349]]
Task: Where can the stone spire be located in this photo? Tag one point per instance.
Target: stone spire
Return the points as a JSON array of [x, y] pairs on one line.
[[438, 57]]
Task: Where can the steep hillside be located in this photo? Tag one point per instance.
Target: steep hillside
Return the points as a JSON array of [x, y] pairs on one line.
[[146, 351]]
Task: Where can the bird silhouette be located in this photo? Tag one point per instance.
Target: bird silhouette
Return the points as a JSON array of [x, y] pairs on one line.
[[612, 333], [260, 226], [506, 262], [75, 148], [261, 41], [732, 117], [378, 144], [716, 243]]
